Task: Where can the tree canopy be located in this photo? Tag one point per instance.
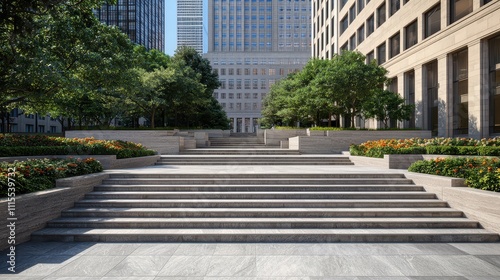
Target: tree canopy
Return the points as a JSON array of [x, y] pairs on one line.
[[57, 58], [343, 86]]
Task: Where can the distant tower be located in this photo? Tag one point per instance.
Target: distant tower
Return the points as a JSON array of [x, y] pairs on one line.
[[252, 45], [190, 24], [142, 20]]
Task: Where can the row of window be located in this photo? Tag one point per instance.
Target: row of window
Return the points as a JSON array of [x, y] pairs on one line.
[[431, 24], [239, 107], [239, 85], [31, 128], [257, 61], [459, 96], [239, 95], [253, 71]]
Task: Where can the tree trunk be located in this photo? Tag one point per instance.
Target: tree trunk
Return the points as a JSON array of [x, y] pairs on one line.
[[153, 118], [329, 119]]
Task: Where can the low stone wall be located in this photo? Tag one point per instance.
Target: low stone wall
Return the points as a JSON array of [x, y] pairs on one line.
[[479, 205], [187, 143], [107, 161], [34, 210], [161, 141], [313, 145], [272, 137]]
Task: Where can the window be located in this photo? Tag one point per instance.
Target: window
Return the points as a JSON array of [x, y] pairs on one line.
[[53, 129], [343, 48], [361, 5], [494, 85], [223, 95], [370, 25], [342, 3], [370, 57], [460, 93], [352, 13], [395, 5], [486, 2], [432, 96], [381, 54], [361, 34], [410, 95], [381, 15], [223, 71], [352, 42], [394, 42], [459, 9], [432, 21], [231, 71], [231, 95], [343, 24], [41, 128], [29, 128], [411, 35]]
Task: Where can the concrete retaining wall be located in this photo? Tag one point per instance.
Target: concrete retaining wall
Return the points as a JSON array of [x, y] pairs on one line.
[[272, 137], [313, 145], [107, 161], [34, 210], [479, 205], [161, 141]]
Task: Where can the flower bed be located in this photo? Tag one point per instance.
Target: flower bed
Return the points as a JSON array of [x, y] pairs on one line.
[[32, 145], [40, 174], [479, 173], [442, 146]]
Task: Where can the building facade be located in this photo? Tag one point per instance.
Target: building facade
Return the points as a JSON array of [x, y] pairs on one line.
[[142, 20], [190, 24], [19, 122], [251, 45], [443, 56]]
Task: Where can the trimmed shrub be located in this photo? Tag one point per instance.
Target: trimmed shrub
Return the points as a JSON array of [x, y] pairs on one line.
[[34, 145], [41, 174], [479, 173]]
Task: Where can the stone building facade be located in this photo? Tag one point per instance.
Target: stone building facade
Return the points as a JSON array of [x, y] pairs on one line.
[[442, 55]]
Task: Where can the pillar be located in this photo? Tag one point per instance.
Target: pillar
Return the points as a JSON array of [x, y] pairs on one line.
[[445, 112]]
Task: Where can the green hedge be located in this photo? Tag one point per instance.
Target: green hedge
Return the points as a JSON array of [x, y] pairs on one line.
[[41, 174], [360, 150], [479, 173], [34, 145]]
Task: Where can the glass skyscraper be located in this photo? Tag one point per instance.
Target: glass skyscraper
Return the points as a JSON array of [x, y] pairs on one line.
[[251, 45], [142, 20], [190, 24]]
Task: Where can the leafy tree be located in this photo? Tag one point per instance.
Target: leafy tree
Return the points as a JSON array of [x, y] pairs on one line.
[[386, 105], [349, 82]]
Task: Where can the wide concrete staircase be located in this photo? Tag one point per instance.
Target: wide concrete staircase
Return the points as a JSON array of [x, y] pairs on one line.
[[221, 207], [277, 159]]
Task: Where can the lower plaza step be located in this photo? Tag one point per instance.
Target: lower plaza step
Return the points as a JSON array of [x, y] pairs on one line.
[[264, 207], [254, 160]]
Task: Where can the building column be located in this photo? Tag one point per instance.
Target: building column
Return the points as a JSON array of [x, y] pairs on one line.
[[401, 91], [234, 124], [445, 112], [419, 97], [476, 92]]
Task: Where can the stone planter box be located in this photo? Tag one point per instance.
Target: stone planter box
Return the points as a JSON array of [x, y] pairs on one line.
[[272, 137], [34, 210], [107, 161], [479, 205], [162, 141]]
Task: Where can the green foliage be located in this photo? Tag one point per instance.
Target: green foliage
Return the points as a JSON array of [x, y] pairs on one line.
[[41, 174], [439, 146], [325, 90], [32, 145], [385, 105], [479, 173]]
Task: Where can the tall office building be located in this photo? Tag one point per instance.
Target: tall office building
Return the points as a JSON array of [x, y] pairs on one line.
[[443, 56], [251, 45], [190, 24], [142, 20]]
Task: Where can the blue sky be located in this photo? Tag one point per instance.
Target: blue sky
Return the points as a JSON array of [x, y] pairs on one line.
[[170, 26]]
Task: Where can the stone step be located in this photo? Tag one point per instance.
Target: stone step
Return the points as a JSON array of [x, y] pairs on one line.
[[255, 181], [264, 235], [258, 195], [260, 203], [251, 163], [261, 212], [294, 188], [263, 223], [269, 151], [310, 176]]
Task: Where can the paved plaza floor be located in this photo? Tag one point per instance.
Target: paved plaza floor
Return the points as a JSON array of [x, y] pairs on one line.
[[148, 261], [162, 261]]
